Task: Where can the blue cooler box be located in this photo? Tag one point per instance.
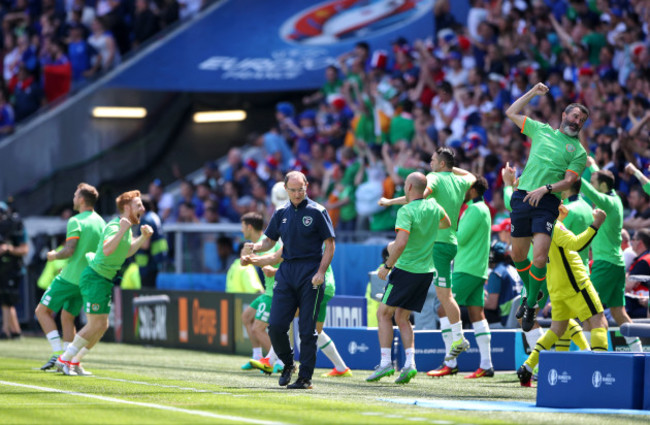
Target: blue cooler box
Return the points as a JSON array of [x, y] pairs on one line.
[[588, 379]]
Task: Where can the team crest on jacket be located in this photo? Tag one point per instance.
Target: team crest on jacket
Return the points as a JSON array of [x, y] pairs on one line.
[[570, 148], [307, 221]]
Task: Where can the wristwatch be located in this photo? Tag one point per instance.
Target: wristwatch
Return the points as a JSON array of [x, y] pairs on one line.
[[549, 188], [386, 267]]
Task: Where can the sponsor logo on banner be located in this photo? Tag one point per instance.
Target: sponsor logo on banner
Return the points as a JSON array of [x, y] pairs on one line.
[[336, 21], [204, 321], [344, 316], [354, 348], [286, 64], [597, 379], [554, 377], [152, 322]]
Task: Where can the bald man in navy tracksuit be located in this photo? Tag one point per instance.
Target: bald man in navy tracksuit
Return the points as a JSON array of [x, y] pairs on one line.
[[305, 227]]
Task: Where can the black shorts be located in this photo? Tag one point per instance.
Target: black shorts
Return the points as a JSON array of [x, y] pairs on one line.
[[407, 290], [10, 290], [527, 220]]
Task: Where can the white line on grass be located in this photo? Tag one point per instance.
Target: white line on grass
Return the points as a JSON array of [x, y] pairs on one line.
[[149, 405], [152, 384]]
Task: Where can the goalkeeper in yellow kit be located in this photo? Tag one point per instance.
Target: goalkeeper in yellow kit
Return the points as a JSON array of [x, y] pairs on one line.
[[572, 293]]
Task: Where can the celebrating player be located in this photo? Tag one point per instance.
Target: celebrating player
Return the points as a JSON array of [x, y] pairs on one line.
[[556, 161], [83, 235], [96, 280]]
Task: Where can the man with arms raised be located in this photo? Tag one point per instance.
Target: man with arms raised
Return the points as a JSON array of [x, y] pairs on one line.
[[572, 293], [608, 268], [96, 283], [556, 161], [83, 235]]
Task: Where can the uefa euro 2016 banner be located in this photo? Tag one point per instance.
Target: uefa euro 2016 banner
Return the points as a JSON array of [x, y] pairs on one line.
[[257, 46]]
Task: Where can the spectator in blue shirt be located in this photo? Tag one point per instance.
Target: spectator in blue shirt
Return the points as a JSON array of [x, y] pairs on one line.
[[26, 93], [188, 196], [6, 115], [79, 52]]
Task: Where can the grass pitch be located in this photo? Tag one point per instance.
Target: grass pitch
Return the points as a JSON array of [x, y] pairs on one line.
[[145, 385]]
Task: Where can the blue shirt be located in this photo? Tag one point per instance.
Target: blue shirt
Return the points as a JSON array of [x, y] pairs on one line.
[[303, 230], [79, 53], [505, 281]]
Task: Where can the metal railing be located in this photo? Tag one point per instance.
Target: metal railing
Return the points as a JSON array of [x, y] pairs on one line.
[[188, 251]]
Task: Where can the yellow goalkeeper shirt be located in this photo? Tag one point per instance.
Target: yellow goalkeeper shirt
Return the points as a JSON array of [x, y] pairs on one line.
[[566, 273]]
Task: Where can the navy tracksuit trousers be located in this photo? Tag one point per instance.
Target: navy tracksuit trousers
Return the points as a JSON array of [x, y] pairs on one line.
[[293, 289]]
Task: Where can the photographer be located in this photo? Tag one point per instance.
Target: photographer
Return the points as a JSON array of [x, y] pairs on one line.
[[13, 247]]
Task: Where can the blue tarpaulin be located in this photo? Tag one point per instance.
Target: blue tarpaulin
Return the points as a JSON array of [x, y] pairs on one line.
[[279, 45]]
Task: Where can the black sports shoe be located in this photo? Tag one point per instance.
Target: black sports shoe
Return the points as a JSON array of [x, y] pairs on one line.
[[528, 321], [285, 378], [522, 307], [50, 363], [300, 384], [524, 376]]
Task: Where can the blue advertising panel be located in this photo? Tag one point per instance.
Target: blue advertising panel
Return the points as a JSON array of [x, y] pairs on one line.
[[430, 351], [280, 45], [346, 312], [358, 347], [590, 379]]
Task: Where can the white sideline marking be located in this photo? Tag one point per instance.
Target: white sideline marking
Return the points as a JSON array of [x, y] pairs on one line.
[[149, 405], [151, 384]]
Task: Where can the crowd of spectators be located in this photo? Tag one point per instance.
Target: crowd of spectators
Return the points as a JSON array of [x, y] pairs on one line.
[[50, 46], [380, 114]]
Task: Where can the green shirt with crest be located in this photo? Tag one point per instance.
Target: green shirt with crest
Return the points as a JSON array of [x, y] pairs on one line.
[[552, 153]]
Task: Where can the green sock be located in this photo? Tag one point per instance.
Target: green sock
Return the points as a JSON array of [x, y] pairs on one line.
[[523, 268], [537, 279]]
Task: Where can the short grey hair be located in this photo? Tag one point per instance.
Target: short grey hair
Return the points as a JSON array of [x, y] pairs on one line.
[[295, 174], [580, 106]]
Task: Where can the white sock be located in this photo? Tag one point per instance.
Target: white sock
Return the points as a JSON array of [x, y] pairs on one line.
[[65, 345], [483, 338], [587, 335], [445, 327], [257, 353], [328, 348], [634, 343], [77, 358], [457, 330], [532, 336], [55, 340], [271, 356], [74, 348], [385, 357], [410, 358]]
